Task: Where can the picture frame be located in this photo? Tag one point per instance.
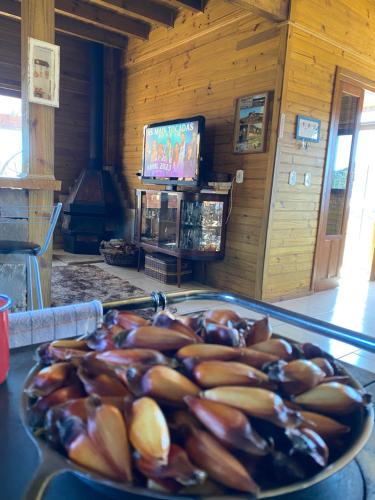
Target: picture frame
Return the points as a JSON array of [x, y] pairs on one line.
[[43, 72], [251, 123], [307, 129]]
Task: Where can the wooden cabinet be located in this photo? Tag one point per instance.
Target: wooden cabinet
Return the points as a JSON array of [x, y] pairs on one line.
[[187, 225]]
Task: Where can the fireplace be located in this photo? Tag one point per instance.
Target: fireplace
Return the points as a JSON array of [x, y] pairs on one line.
[[92, 205]]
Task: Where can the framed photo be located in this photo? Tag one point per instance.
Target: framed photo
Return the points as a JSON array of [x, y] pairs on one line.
[[44, 73], [250, 126], [307, 129]]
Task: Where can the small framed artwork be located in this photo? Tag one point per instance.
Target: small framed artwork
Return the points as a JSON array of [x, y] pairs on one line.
[[44, 73], [250, 126], [307, 129]]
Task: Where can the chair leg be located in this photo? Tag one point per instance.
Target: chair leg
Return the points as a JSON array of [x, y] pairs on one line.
[[37, 282], [29, 280]]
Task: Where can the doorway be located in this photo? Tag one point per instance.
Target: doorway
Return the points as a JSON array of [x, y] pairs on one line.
[[338, 178], [345, 238], [358, 252]]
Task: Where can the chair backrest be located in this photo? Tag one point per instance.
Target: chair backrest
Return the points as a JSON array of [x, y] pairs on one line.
[[52, 224], [13, 214]]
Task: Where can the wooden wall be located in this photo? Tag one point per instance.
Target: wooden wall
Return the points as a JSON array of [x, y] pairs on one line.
[[10, 55], [72, 118], [200, 67], [323, 35]]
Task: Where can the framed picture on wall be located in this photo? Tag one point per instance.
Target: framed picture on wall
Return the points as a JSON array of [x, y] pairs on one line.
[[307, 129], [43, 73], [250, 125]]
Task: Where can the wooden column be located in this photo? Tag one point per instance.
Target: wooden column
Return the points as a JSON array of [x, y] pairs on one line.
[[273, 160], [38, 121]]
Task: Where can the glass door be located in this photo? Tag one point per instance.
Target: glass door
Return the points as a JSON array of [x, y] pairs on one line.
[[338, 177], [158, 218], [201, 223]]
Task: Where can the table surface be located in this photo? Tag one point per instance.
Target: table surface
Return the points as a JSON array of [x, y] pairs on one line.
[[19, 456]]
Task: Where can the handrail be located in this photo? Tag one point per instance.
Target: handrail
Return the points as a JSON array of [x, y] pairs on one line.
[[329, 330]]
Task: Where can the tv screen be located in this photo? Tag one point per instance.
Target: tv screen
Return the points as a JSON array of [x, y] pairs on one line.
[[172, 151]]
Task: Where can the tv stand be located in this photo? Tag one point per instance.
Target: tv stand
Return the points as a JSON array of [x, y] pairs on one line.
[[183, 224]]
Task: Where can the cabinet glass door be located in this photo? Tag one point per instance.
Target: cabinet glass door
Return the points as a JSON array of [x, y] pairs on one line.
[[158, 224], [168, 217], [201, 223]]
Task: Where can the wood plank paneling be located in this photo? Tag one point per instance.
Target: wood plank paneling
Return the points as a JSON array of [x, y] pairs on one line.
[[72, 118], [201, 67], [324, 35]]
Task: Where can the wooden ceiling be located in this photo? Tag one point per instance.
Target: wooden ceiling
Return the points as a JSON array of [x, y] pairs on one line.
[[111, 22]]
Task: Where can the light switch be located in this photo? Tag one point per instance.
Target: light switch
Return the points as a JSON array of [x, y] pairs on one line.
[[239, 176], [307, 180], [292, 177]]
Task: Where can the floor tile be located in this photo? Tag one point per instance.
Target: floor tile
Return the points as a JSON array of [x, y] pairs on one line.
[[202, 305], [359, 361], [352, 319], [366, 354], [333, 347]]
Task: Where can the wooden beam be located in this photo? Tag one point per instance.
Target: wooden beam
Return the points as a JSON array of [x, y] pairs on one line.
[[274, 10], [103, 18], [194, 5], [69, 26], [147, 10], [10, 8], [30, 182], [38, 122], [75, 28]]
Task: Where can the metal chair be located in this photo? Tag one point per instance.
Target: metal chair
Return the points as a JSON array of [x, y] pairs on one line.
[[31, 251]]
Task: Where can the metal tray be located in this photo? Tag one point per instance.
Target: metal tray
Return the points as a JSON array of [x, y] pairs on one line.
[[53, 463]]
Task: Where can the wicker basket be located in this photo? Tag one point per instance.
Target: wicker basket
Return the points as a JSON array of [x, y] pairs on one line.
[[164, 268], [119, 253]]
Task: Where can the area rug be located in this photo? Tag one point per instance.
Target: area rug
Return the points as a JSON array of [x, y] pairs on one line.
[[72, 284]]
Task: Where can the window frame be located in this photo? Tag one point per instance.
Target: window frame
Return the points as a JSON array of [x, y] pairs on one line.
[[14, 93]]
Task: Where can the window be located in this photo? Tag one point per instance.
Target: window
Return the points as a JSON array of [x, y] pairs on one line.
[[10, 137], [340, 175]]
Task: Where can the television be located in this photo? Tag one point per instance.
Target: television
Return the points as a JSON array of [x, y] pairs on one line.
[[173, 152]]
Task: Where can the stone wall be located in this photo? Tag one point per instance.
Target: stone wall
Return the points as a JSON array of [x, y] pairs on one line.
[[13, 226]]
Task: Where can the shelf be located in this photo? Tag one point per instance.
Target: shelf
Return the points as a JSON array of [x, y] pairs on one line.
[[157, 242], [31, 183], [202, 226]]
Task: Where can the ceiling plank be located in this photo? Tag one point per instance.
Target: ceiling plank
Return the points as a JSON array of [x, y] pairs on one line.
[[194, 5], [274, 10], [102, 18], [147, 10], [72, 27]]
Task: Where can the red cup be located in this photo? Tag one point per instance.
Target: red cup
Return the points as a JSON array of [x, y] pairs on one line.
[[5, 303]]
